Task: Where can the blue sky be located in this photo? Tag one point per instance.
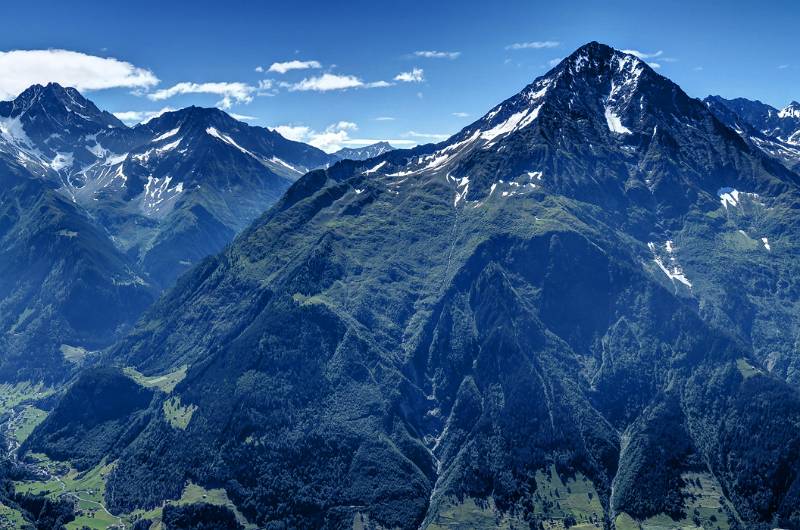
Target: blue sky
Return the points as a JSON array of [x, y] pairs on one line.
[[173, 54]]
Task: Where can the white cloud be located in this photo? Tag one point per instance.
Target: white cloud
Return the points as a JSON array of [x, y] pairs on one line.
[[243, 117], [266, 87], [536, 45], [298, 133], [698, 68], [282, 68], [378, 84], [132, 117], [335, 136], [461, 114], [259, 69], [655, 66], [416, 75], [327, 82], [231, 92], [385, 118], [554, 62], [783, 66], [427, 136], [23, 68], [643, 55], [345, 126], [433, 54]]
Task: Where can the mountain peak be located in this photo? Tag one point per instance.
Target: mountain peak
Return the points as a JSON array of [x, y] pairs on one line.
[[59, 106], [595, 57], [594, 49], [364, 153], [198, 116], [595, 79], [792, 110]]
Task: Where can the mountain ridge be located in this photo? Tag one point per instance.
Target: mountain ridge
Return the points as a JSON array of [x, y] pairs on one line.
[[569, 295], [150, 200]]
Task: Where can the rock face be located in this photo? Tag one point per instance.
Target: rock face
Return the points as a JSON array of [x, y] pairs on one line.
[[97, 218], [565, 312]]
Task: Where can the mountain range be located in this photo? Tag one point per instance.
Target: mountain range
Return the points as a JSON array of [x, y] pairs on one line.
[[776, 132], [581, 310], [99, 217]]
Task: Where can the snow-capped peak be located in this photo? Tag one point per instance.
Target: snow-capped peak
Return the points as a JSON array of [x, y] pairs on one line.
[[792, 110]]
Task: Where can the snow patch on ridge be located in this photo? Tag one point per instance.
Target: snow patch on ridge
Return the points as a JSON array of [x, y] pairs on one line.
[[514, 122], [167, 134], [671, 269], [614, 123], [733, 197]]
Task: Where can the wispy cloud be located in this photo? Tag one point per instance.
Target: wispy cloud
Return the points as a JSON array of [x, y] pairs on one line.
[[533, 45], [231, 92], [644, 55], [783, 66], [287, 66], [244, 117], [427, 136], [23, 68], [327, 82], [385, 118], [266, 87], [434, 54], [554, 62], [698, 68], [132, 117], [416, 75], [461, 114]]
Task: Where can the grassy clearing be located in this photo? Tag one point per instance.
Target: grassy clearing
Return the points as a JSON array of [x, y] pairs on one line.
[[177, 415], [555, 502], [27, 421], [10, 518], [89, 485], [96, 520], [88, 490], [746, 369], [192, 494], [557, 499], [166, 382], [13, 395], [478, 514], [706, 509], [74, 354], [85, 489], [740, 241]]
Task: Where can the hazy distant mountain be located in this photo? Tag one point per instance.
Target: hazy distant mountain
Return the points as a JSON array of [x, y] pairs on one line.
[[776, 132], [139, 206], [566, 314], [363, 153]]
